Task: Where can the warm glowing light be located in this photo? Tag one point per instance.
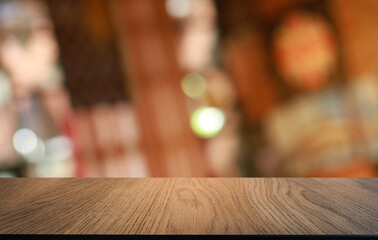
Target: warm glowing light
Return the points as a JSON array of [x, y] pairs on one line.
[[178, 8], [207, 122], [304, 50], [25, 141], [194, 85]]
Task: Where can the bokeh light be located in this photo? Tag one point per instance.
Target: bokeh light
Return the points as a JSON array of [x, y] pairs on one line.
[[25, 141], [194, 85], [178, 8], [207, 122]]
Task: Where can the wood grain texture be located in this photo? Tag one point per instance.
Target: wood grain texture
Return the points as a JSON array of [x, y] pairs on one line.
[[189, 206]]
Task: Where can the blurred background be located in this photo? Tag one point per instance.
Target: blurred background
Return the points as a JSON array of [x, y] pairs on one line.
[[188, 88]]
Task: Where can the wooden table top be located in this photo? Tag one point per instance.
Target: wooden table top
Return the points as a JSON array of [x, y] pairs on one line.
[[189, 206]]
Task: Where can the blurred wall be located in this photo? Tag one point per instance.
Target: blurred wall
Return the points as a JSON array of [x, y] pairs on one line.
[[357, 23]]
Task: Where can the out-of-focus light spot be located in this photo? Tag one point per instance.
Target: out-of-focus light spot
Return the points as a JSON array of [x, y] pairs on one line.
[[305, 50], [178, 8], [25, 141], [38, 154], [207, 122], [60, 147], [194, 85]]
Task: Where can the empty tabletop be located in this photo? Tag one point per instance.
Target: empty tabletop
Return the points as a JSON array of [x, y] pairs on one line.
[[189, 206]]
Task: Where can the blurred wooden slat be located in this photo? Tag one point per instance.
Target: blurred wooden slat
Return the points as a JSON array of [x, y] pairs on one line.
[[147, 40], [189, 206], [88, 51], [247, 61]]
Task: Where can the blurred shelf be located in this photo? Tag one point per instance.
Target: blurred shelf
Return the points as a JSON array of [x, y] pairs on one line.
[[12, 165]]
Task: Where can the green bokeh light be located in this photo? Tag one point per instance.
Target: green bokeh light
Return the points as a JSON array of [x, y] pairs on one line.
[[207, 122], [194, 85]]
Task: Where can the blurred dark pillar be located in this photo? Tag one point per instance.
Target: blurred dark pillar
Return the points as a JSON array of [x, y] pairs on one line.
[[148, 43], [246, 58], [233, 15], [88, 51]]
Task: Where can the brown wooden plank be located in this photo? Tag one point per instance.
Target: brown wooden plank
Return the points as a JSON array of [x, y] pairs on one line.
[[189, 206], [147, 41]]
